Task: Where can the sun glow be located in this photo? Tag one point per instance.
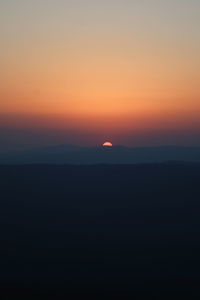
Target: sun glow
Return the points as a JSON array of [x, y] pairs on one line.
[[107, 144]]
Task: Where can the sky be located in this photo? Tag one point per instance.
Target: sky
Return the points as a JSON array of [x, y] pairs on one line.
[[83, 72]]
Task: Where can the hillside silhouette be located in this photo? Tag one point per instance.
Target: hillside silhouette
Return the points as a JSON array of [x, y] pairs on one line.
[[101, 231]]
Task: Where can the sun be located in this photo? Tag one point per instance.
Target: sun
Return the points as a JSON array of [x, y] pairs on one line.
[[107, 144]]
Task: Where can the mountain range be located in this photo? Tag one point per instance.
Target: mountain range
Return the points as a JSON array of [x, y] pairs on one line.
[[70, 154]]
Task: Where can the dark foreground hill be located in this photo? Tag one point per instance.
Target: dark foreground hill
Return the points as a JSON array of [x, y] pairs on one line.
[[105, 232]]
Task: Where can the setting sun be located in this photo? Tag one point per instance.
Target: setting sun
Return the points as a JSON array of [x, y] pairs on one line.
[[107, 144]]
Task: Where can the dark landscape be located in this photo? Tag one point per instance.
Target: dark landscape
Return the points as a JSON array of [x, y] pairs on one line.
[[100, 231]]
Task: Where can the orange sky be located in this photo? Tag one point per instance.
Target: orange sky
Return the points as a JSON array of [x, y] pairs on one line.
[[109, 66]]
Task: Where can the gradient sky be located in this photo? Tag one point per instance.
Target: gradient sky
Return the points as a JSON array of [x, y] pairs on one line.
[[85, 71]]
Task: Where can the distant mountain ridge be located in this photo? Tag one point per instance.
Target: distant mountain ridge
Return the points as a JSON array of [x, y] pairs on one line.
[[71, 154]]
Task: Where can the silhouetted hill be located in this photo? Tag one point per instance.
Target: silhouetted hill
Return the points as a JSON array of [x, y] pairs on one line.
[[100, 231], [68, 154]]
